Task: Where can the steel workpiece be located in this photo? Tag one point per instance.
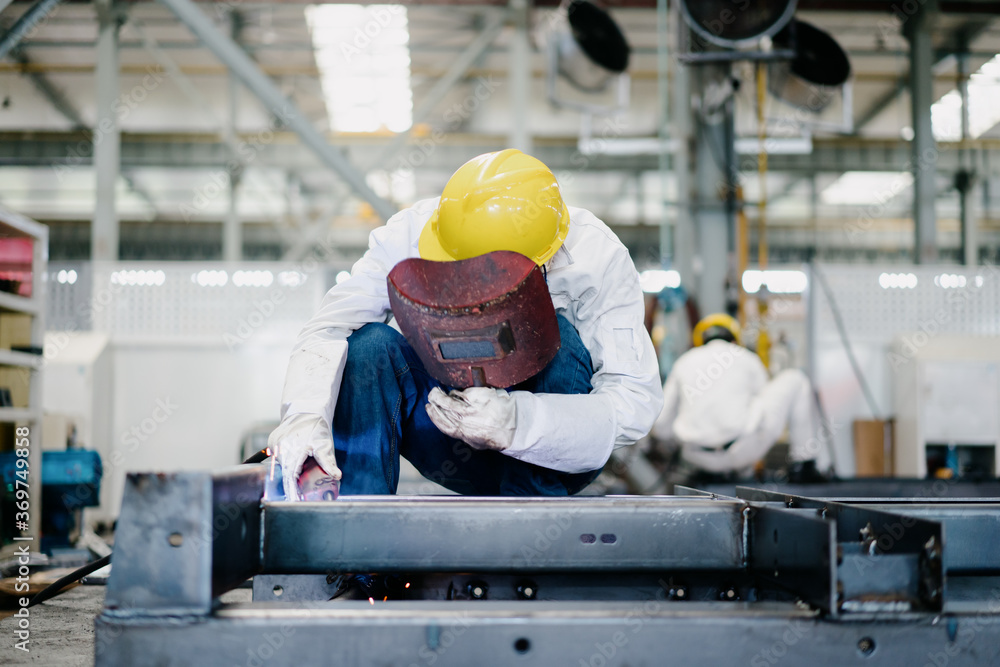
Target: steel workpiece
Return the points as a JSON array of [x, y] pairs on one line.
[[754, 578]]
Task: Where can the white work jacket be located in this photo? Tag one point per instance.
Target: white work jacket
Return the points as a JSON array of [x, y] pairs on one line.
[[593, 283], [707, 397]]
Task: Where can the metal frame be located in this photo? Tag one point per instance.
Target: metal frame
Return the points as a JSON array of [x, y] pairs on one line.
[[704, 578]]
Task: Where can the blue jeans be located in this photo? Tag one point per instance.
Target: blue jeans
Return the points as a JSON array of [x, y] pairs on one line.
[[381, 416]]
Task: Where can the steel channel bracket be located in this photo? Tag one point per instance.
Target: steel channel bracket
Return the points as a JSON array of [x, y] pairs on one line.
[[884, 561], [183, 539]]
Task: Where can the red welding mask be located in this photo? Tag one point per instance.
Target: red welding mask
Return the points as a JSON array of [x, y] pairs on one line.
[[487, 321]]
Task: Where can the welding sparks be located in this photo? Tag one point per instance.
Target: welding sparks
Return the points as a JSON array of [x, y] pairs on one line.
[[407, 585], [371, 601]]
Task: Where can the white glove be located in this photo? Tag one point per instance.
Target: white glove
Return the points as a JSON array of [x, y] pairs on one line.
[[297, 438], [483, 417]]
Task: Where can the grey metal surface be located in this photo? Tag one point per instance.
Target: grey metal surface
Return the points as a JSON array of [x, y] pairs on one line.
[[261, 85], [183, 538], [796, 551], [236, 526], [652, 633], [370, 534]]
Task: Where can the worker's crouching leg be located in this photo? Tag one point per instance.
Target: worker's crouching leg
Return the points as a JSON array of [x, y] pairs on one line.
[[570, 372], [377, 393]]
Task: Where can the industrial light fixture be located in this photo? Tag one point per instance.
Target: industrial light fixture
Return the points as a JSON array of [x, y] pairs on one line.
[[590, 47], [815, 75], [587, 48], [732, 25]]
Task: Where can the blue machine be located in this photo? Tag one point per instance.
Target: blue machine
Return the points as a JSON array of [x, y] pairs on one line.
[[71, 480]]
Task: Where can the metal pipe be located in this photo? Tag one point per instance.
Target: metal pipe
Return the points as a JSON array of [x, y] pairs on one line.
[[249, 73], [25, 24]]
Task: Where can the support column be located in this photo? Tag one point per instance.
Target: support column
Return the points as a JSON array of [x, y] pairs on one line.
[[965, 178], [232, 230], [713, 185], [924, 151], [680, 104], [520, 78], [107, 136]]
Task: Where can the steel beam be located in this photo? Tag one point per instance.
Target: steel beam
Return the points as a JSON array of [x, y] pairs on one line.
[[25, 24], [501, 535], [49, 91], [544, 633], [3, 5], [106, 137], [206, 151], [284, 109], [924, 152]]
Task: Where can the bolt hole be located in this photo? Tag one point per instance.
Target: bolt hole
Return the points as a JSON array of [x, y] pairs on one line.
[[866, 645], [588, 538], [609, 538], [278, 590], [522, 645], [175, 539]]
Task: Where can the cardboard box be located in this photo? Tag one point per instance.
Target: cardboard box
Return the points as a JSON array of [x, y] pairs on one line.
[[873, 443], [15, 330], [18, 380]]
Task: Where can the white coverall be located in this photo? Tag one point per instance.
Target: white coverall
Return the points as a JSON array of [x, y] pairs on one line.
[[719, 394], [593, 283]]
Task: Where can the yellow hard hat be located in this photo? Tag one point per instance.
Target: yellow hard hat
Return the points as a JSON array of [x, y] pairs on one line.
[[715, 321], [498, 201]]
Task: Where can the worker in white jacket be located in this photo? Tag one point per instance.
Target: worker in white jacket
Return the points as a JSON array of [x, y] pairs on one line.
[[356, 397], [725, 414]]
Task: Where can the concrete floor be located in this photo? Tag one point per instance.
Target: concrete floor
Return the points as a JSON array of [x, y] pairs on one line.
[[62, 629]]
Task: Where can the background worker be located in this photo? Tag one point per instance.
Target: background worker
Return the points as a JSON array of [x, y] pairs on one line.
[[724, 413], [356, 396]]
